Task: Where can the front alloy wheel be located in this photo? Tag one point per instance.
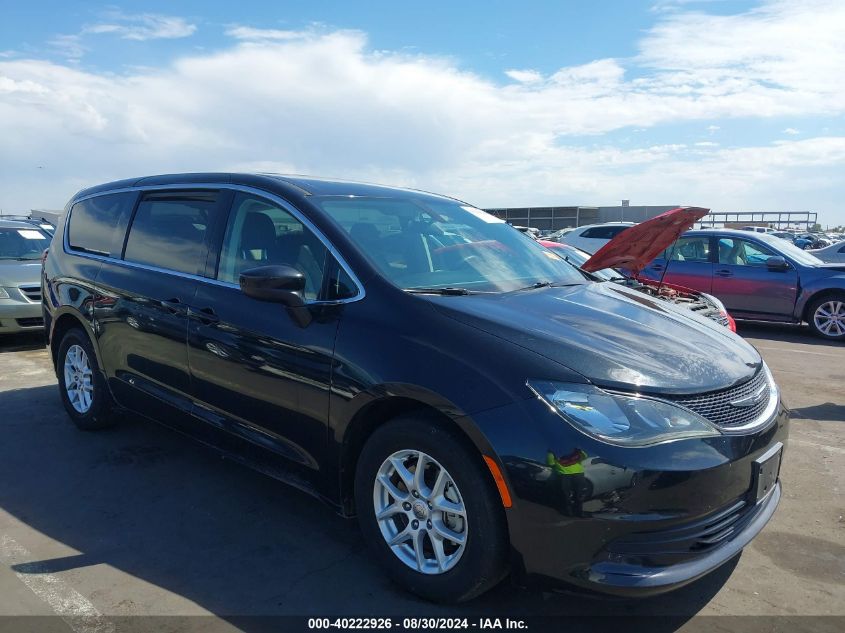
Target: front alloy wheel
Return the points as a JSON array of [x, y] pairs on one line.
[[420, 512], [829, 318], [429, 509]]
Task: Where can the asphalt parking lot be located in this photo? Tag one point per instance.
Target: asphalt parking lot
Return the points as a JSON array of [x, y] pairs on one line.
[[139, 520]]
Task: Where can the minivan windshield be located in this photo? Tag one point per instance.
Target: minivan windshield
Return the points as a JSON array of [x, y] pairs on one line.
[[425, 243], [22, 243]]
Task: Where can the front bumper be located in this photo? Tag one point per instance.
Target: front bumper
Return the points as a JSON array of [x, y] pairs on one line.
[[20, 316], [633, 521], [641, 579]]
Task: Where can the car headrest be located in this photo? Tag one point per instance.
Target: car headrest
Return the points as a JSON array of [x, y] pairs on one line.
[[258, 233]]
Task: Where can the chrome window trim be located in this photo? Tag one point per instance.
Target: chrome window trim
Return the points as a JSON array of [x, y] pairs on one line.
[[277, 200]]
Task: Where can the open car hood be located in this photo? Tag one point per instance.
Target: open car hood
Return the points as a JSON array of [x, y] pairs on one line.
[[635, 247]]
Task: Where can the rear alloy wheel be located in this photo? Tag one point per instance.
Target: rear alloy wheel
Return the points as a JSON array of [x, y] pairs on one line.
[[79, 379], [827, 317], [430, 511], [83, 389]]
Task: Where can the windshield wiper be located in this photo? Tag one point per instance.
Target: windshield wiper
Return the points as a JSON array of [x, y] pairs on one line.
[[449, 291], [536, 284], [544, 284]]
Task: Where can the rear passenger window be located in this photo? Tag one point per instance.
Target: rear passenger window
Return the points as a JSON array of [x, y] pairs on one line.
[[169, 231], [261, 234], [92, 223], [690, 249]]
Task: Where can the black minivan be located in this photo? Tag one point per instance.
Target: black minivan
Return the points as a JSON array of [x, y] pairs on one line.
[[481, 405]]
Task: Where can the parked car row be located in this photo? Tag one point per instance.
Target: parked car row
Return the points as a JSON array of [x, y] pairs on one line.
[[42, 223], [21, 247], [808, 241], [758, 277], [483, 406], [835, 253], [623, 257], [755, 274]]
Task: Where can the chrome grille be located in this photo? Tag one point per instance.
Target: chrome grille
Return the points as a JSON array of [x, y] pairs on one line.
[[32, 293], [717, 408]]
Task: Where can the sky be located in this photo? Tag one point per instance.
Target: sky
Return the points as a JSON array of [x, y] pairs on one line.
[[731, 105]]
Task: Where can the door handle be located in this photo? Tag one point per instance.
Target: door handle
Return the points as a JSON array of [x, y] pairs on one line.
[[173, 306], [724, 273], [205, 315], [657, 266]]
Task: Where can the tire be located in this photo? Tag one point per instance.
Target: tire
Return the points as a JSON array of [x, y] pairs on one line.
[[826, 316], [97, 410], [461, 572]]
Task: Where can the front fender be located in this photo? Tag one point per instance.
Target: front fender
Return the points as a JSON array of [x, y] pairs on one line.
[[813, 286]]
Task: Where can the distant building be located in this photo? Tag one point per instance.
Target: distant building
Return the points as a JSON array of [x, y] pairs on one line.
[[554, 218], [47, 214], [50, 215], [547, 218]]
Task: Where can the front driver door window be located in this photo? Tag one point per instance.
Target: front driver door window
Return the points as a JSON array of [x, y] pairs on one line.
[[738, 252], [260, 233], [746, 285], [255, 372]]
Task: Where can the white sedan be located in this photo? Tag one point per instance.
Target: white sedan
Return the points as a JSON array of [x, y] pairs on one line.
[[592, 237], [835, 253]]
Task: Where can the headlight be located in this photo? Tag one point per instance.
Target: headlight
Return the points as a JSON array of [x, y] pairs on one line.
[[4, 294], [619, 419]]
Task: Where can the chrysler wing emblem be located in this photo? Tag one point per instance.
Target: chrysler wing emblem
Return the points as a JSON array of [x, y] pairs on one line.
[[750, 400]]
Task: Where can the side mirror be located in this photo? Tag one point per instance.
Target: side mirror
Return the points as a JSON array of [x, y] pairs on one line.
[[776, 262], [277, 284]]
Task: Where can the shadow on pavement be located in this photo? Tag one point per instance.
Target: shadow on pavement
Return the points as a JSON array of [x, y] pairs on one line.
[[827, 411], [153, 504], [22, 342], [785, 333]]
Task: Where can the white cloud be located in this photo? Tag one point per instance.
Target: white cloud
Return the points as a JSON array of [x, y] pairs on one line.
[[524, 76], [706, 144], [68, 46], [254, 34], [791, 131], [775, 56], [322, 102], [144, 26], [141, 27]]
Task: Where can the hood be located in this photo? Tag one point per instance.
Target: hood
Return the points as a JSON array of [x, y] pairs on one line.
[[613, 336], [635, 247], [16, 273], [832, 267]]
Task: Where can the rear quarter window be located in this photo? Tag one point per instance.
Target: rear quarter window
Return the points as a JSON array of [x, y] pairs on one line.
[[94, 224]]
